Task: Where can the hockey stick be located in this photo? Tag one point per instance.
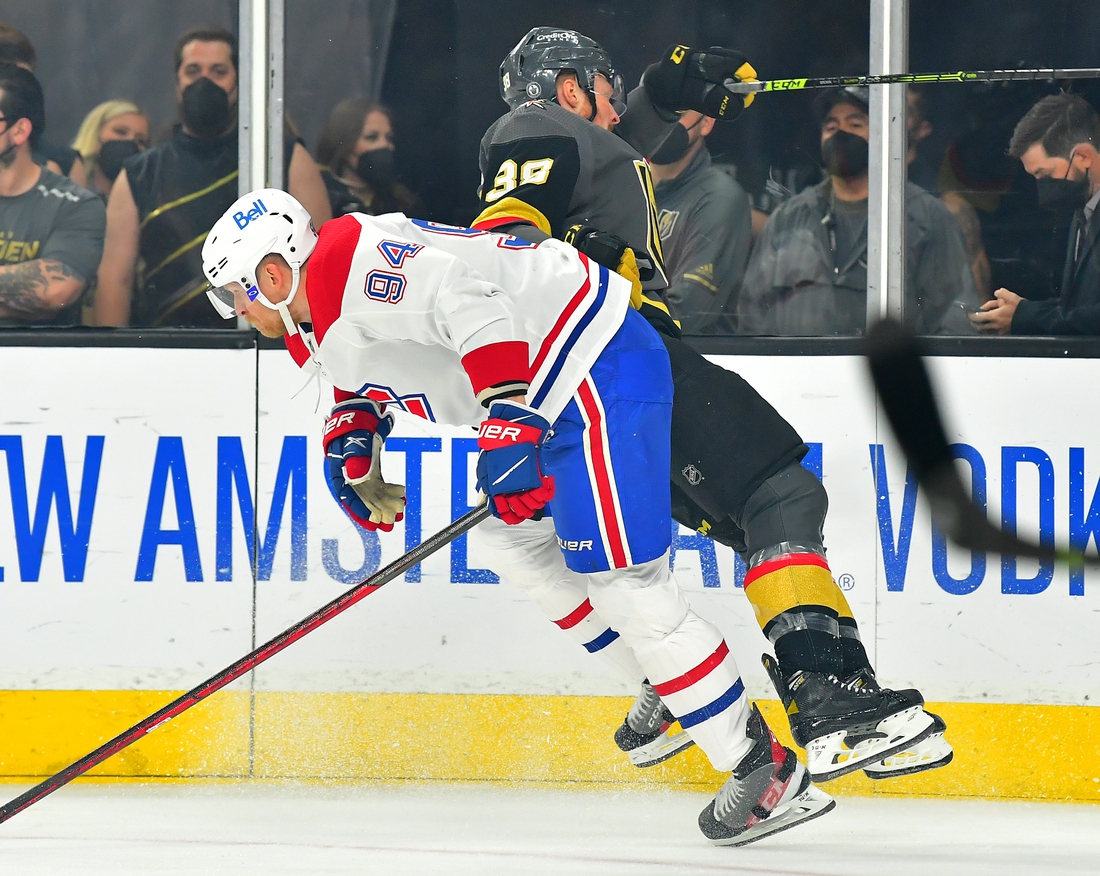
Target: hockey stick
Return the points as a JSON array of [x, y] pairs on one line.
[[912, 79], [905, 391], [250, 661]]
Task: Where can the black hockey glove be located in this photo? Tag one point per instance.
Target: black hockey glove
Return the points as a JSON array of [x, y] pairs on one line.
[[694, 79], [613, 253], [608, 250]]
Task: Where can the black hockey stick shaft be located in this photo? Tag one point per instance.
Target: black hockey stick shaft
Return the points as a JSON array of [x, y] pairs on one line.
[[913, 79], [250, 661], [905, 390]]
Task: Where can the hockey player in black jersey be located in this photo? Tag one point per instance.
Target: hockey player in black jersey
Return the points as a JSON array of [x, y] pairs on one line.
[[552, 167]]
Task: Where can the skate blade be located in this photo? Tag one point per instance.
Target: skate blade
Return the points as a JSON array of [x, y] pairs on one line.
[[668, 744], [829, 757], [810, 804], [930, 754]]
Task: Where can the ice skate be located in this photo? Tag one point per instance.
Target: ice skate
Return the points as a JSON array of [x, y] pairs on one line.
[[842, 728], [646, 734], [767, 792], [928, 754]]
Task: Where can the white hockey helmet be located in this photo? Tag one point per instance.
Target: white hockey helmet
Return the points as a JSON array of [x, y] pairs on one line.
[[262, 222]]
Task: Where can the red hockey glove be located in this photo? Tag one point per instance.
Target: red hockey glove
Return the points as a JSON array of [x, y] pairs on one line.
[[508, 469]]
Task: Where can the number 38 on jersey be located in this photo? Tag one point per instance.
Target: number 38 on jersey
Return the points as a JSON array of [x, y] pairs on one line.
[[533, 172]]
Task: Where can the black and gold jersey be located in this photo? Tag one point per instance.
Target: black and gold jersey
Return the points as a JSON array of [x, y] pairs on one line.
[[545, 166]]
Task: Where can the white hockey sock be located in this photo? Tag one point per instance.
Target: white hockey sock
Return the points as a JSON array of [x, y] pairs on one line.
[[527, 557], [684, 657]]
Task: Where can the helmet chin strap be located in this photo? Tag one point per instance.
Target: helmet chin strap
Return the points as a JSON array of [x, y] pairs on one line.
[[283, 307], [288, 321]]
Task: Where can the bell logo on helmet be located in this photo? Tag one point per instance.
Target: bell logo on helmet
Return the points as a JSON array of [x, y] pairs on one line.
[[242, 218]]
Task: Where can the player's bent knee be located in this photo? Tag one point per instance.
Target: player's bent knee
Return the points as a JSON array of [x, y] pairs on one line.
[[525, 555], [640, 602]]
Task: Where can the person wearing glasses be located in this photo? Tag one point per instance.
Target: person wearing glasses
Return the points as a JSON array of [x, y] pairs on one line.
[[51, 229]]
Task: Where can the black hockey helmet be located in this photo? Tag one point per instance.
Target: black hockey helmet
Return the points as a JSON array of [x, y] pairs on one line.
[[531, 69]]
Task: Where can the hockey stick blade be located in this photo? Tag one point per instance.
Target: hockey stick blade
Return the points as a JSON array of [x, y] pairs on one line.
[[905, 390], [1022, 75], [250, 661]]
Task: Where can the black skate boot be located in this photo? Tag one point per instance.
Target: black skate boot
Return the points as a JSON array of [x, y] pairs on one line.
[[929, 753], [645, 734], [767, 792], [842, 729]]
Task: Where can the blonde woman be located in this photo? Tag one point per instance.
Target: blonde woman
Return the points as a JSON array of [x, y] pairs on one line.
[[110, 133]]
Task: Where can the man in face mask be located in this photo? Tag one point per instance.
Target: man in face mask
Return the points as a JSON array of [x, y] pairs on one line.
[[705, 223], [206, 88], [165, 200], [808, 272], [1056, 143]]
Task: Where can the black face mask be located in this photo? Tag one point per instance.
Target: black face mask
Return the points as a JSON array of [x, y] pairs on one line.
[[676, 145], [845, 155], [205, 108], [1063, 195], [376, 168], [113, 153]]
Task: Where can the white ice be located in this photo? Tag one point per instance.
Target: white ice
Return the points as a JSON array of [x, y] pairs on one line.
[[472, 830]]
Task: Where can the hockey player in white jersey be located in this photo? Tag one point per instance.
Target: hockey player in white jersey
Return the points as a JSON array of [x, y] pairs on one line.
[[572, 391]]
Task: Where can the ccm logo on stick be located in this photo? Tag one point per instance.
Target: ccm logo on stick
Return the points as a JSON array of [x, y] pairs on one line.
[[242, 219], [498, 432]]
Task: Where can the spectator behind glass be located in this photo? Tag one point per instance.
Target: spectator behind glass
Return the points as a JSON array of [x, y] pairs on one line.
[[109, 134], [808, 272], [1056, 143], [15, 48], [165, 199], [705, 224], [356, 154], [923, 172], [51, 230]]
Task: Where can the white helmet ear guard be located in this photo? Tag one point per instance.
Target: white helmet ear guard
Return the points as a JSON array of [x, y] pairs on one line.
[[262, 222]]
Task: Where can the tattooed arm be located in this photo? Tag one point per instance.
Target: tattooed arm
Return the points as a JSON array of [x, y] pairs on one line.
[[37, 289], [971, 226]]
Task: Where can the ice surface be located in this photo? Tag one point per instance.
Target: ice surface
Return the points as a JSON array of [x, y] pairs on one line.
[[473, 830]]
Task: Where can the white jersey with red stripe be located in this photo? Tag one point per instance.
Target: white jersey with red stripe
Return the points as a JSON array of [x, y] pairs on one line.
[[433, 318]]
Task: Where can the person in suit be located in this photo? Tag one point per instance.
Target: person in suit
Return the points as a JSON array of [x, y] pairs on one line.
[[1057, 144]]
